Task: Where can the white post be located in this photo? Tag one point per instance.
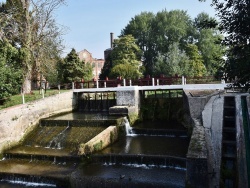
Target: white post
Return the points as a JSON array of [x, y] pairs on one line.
[[185, 81], [43, 93], [124, 82], [81, 85], [157, 81], [23, 99], [73, 85], [153, 82], [130, 82], [97, 84], [59, 88], [182, 80], [105, 85]]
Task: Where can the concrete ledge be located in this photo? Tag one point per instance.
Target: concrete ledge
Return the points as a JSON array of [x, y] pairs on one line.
[[100, 141], [122, 110]]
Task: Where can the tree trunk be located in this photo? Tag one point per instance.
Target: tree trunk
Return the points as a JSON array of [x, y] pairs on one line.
[[26, 87]]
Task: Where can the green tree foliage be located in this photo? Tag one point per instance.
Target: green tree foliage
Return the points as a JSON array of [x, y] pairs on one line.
[[234, 19], [174, 63], [31, 27], [141, 28], [209, 43], [126, 56], [235, 22], [196, 66], [73, 69], [164, 38], [10, 72]]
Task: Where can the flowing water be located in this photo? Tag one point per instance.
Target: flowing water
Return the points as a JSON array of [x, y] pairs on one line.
[[139, 160], [146, 156]]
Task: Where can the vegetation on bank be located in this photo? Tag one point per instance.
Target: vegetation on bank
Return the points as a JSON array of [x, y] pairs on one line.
[[34, 95]]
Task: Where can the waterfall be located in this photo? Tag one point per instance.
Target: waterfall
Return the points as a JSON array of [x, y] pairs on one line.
[[56, 141], [128, 128]]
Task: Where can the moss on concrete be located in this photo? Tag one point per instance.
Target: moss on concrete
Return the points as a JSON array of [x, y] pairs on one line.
[[161, 108], [98, 146]]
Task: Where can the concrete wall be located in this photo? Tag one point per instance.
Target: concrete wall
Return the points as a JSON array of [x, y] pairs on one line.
[[212, 118], [197, 156], [128, 97], [102, 140], [127, 103], [17, 121]]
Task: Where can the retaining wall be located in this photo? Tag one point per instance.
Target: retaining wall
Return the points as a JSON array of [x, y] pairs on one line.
[[18, 120], [197, 156]]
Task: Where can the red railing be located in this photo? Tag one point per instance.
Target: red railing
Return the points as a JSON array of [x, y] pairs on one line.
[[144, 82], [121, 82]]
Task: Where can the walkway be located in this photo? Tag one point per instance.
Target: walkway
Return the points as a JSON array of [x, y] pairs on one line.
[[157, 87]]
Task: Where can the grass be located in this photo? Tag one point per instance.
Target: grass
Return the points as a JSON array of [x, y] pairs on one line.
[[34, 95]]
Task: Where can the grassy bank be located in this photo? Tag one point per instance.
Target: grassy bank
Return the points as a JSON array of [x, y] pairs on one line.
[[34, 95]]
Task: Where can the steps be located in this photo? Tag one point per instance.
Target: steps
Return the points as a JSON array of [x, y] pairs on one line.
[[229, 146]]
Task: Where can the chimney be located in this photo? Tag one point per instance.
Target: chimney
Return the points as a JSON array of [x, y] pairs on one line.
[[111, 39]]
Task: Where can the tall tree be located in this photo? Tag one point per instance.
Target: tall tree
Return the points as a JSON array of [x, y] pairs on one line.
[[209, 43], [234, 19], [141, 28], [126, 58], [164, 36], [34, 31]]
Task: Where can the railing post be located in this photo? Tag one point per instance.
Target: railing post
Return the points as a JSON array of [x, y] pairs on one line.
[[183, 80], [130, 83], [105, 85], [97, 84], [124, 82], [73, 87], [23, 99], [157, 82], [153, 82], [81, 85]]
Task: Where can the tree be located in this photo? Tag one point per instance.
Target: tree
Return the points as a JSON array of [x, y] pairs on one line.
[[234, 19], [209, 43], [126, 57], [196, 66], [32, 29], [163, 37], [140, 27], [174, 63], [10, 74], [73, 69]]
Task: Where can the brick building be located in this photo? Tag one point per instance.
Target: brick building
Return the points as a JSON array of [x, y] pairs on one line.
[[97, 64]]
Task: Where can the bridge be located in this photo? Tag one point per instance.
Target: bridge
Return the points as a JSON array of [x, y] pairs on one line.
[[158, 87], [128, 93], [147, 84]]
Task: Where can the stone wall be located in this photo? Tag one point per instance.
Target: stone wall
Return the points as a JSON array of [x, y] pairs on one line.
[[18, 120]]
